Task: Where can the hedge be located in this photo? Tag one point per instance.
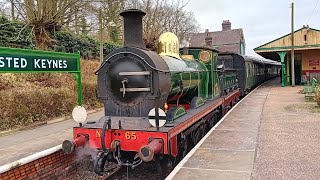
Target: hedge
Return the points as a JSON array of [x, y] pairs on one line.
[[17, 35]]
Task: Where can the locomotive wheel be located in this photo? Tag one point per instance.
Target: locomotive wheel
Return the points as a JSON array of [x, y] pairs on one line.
[[99, 163], [184, 147], [211, 123], [196, 136], [203, 130], [183, 150], [216, 118]]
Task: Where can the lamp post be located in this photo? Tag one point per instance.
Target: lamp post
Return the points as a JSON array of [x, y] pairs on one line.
[[292, 47]]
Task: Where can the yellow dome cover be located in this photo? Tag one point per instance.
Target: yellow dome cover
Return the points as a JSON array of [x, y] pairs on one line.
[[169, 45]]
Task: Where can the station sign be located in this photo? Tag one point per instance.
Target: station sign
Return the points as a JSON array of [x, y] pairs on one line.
[[22, 60], [13, 60]]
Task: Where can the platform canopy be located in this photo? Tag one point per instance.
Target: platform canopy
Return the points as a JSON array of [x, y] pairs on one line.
[[307, 50], [305, 39]]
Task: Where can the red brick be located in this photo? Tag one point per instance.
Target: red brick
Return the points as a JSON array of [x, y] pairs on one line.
[[11, 174], [29, 165], [36, 177], [36, 165], [16, 170], [31, 174], [21, 168]]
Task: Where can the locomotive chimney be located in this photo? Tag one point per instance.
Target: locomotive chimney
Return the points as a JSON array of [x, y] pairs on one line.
[[133, 34]]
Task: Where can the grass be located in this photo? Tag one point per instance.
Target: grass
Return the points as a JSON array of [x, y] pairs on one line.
[[308, 107]]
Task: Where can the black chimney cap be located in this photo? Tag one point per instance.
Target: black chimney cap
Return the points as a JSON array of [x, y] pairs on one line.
[[123, 13]]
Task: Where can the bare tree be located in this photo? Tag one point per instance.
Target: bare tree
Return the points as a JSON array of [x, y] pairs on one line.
[[46, 16], [111, 20], [4, 8], [163, 16]]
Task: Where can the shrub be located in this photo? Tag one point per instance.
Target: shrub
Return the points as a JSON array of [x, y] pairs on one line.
[[17, 35], [317, 95], [108, 47], [26, 106], [87, 46], [10, 35], [89, 83]]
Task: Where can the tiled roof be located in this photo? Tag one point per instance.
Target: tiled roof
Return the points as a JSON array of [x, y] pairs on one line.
[[229, 48], [231, 37]]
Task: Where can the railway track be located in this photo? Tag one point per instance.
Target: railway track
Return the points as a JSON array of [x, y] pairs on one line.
[[115, 173], [83, 169], [144, 171]]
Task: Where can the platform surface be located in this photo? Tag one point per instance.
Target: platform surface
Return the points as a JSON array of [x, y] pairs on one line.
[[266, 136], [25, 143]]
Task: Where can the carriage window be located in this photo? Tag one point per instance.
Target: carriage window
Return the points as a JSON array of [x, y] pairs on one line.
[[253, 69]]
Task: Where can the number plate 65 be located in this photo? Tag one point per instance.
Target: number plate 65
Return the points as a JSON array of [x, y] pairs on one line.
[[130, 136]]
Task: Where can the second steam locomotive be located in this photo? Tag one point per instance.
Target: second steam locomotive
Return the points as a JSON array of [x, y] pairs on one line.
[[157, 105]]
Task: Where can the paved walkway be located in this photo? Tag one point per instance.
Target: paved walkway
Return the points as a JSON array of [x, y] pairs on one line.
[[269, 135], [24, 143], [289, 139]]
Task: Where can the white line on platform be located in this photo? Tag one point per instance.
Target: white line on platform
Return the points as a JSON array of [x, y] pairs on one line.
[[28, 159], [193, 150]]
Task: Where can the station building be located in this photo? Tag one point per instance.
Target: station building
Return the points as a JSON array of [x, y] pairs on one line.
[[226, 40], [306, 52]]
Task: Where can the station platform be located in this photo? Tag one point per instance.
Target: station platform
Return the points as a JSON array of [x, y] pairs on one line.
[[17, 145], [271, 134]]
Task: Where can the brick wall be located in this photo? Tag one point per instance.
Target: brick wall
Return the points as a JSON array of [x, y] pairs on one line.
[[49, 167]]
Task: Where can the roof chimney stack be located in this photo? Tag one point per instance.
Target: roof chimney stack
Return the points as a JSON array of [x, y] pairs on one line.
[[207, 32], [208, 39], [226, 25]]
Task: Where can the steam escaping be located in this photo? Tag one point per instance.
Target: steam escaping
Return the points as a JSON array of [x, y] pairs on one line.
[[85, 151]]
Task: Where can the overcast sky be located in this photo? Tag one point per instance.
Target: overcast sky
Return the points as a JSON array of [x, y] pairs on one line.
[[261, 20]]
